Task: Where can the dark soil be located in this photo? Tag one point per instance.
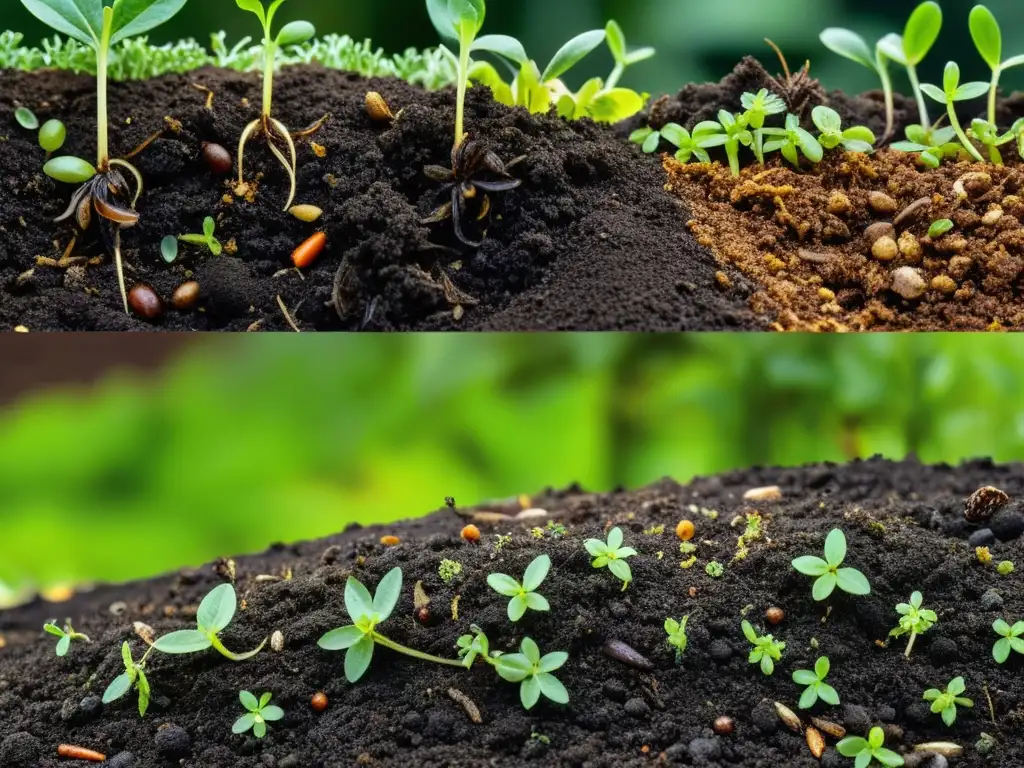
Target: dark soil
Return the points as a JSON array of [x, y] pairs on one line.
[[905, 527], [590, 241]]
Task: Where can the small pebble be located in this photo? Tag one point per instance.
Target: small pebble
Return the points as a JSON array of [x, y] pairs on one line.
[[704, 750], [144, 302], [319, 701], [277, 641], [470, 533], [764, 717], [724, 725], [173, 742], [217, 159], [1007, 525], [856, 718], [910, 247], [90, 707], [983, 537], [885, 249], [882, 204], [908, 283], [122, 760], [942, 650], [991, 600], [839, 203], [289, 761], [944, 284], [637, 708], [991, 218], [185, 296]]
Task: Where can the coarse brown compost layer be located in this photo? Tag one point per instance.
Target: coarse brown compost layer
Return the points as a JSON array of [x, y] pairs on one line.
[[906, 530]]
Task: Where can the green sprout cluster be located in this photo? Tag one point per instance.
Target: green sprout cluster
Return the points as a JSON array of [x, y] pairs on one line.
[[914, 620], [816, 687], [828, 571], [524, 595], [134, 675], [215, 613], [946, 702], [766, 651], [258, 714], [612, 555], [676, 631], [169, 245], [864, 751], [1011, 639], [67, 635]]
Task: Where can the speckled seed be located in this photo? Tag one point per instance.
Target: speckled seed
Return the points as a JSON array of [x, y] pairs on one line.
[[277, 641], [217, 159], [620, 651], [879, 230], [991, 218], [910, 247], [983, 503], [908, 283], [885, 249], [787, 716], [185, 296], [944, 284], [882, 204], [144, 302]]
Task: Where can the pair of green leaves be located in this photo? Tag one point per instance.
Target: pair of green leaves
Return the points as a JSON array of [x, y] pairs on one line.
[[258, 715], [215, 613], [816, 688], [791, 141], [84, 20], [919, 35], [1011, 639], [533, 671], [461, 20], [766, 651], [857, 138], [66, 635], [169, 245], [524, 596], [946, 702], [696, 144], [612, 554], [134, 674], [293, 33], [865, 750], [828, 571], [952, 90]]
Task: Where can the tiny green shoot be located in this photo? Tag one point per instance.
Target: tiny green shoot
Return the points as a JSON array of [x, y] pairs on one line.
[[816, 688], [258, 714], [914, 620], [134, 675], [206, 238], [533, 672], [461, 20], [988, 39], [215, 613], [1011, 639], [766, 651], [169, 249], [449, 570], [866, 750], [52, 135], [736, 132], [66, 635], [946, 701], [931, 144], [714, 569], [937, 229], [761, 105], [705, 135], [612, 554], [473, 646], [524, 595], [910, 49], [792, 140], [952, 92], [623, 57], [857, 138], [359, 638], [852, 46], [676, 631], [987, 134], [26, 118], [828, 572], [1005, 567]]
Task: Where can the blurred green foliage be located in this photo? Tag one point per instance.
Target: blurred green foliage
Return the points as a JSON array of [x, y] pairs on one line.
[[696, 40], [267, 439]]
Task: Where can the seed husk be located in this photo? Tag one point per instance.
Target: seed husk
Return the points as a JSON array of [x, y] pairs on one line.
[[816, 742], [944, 748], [377, 108], [145, 632], [277, 641], [620, 651], [767, 493], [912, 210], [472, 711], [787, 716], [306, 213], [832, 729]]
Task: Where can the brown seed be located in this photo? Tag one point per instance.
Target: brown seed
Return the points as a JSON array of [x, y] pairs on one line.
[[832, 729], [816, 742], [885, 249], [423, 615], [878, 230], [882, 204], [185, 296], [217, 159], [319, 701], [471, 534], [144, 302], [983, 503], [377, 108], [787, 716], [908, 283], [774, 615], [724, 725]]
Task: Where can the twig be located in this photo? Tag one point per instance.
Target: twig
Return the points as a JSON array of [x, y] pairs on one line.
[[288, 317], [207, 91], [80, 753], [991, 708], [467, 704]]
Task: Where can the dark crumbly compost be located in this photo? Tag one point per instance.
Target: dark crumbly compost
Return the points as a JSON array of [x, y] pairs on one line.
[[905, 527], [590, 241]]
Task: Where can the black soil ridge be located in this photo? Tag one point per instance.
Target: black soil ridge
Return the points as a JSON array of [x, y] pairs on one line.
[[904, 524], [591, 241]]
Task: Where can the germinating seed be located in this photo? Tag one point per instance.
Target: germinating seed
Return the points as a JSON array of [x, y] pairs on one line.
[[26, 118], [217, 159], [52, 135]]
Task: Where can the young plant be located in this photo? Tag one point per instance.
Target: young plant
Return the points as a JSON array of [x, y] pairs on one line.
[[258, 714], [623, 57], [829, 574], [792, 140], [676, 631], [988, 39], [855, 139], [215, 613], [932, 145], [910, 49], [852, 46], [103, 187], [359, 638], [946, 701], [294, 33], [986, 134], [523, 595], [66, 635], [952, 92], [533, 672], [1011, 639], [759, 106], [705, 135], [206, 238], [816, 688], [134, 675], [735, 133], [767, 650], [474, 646], [463, 20], [612, 554], [865, 750], [914, 620]]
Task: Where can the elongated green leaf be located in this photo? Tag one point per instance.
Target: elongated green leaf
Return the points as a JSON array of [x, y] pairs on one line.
[[852, 581], [922, 31], [536, 572], [272, 712], [848, 44], [616, 41], [503, 45], [253, 6], [570, 54], [144, 693], [1014, 61], [552, 687], [809, 565], [341, 638], [183, 641], [249, 701], [826, 119], [126, 655], [80, 19], [296, 33], [358, 658], [466, 17], [891, 46], [388, 591], [118, 688], [134, 17], [244, 723], [987, 36], [934, 92], [63, 645], [358, 602], [835, 547], [217, 608], [53, 629], [969, 91], [804, 677]]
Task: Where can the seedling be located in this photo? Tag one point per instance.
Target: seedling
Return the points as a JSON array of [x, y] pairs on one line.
[[855, 139], [271, 129], [714, 569], [474, 646], [366, 612], [736, 133], [767, 650], [829, 574], [103, 187], [914, 620], [66, 635], [865, 750], [215, 613], [26, 118], [612, 554], [946, 701], [816, 688], [1011, 639], [910, 49], [676, 631], [705, 135], [206, 238], [937, 229], [933, 145], [449, 570], [852, 46], [134, 675], [952, 92], [792, 140], [986, 134], [258, 715], [523, 595], [463, 20], [533, 671], [760, 106], [988, 39], [623, 57]]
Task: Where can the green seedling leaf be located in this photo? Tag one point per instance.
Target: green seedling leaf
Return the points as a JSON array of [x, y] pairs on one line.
[[134, 17], [169, 249], [81, 20], [503, 45], [258, 715], [615, 105], [850, 45], [829, 574], [922, 30], [939, 228], [183, 641], [118, 688], [52, 135], [217, 609], [988, 38], [296, 33], [26, 118], [69, 170], [524, 596], [533, 672], [388, 592], [572, 53]]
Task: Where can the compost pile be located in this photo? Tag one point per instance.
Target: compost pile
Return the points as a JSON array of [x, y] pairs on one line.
[[906, 531], [589, 241]]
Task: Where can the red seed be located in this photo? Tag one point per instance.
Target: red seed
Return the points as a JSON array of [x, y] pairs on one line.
[[308, 252], [319, 701], [144, 302], [217, 159], [423, 615]]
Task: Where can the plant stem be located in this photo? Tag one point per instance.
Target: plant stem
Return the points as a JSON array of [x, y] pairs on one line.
[[992, 94], [910, 644], [922, 105], [615, 76], [379, 638], [890, 106], [955, 122], [102, 56], [460, 103], [268, 74], [732, 149]]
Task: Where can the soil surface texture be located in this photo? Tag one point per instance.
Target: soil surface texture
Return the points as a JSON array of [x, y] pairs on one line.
[[590, 240], [906, 530]]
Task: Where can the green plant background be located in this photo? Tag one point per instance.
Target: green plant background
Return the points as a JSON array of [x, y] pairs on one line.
[[264, 439], [696, 40]]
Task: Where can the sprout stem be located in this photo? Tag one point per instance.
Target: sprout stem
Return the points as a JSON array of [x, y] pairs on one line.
[[996, 73], [922, 106], [910, 644], [268, 74], [379, 638], [120, 269], [102, 56], [460, 104], [890, 107], [615, 76], [955, 122]]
